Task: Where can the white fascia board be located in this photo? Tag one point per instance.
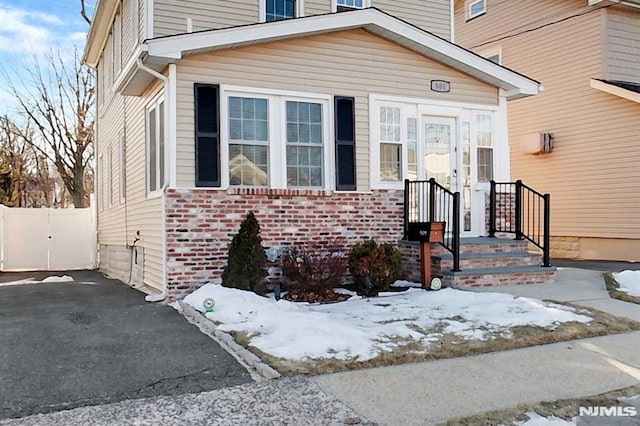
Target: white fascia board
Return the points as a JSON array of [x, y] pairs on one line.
[[129, 69], [615, 90], [373, 20], [105, 11]]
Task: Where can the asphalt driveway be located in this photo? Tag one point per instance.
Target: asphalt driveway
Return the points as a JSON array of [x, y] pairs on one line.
[[96, 340]]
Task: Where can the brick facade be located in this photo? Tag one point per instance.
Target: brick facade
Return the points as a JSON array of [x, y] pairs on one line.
[[200, 224]]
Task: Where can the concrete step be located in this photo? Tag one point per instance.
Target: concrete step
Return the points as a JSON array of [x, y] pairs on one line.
[[488, 277], [444, 261]]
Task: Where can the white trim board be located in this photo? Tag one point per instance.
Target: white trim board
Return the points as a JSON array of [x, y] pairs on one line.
[[615, 90]]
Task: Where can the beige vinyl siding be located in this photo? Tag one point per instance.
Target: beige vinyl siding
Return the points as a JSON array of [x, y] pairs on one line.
[[350, 63], [432, 16], [118, 225], [316, 7], [593, 172], [142, 21], [507, 19], [623, 45], [170, 17]]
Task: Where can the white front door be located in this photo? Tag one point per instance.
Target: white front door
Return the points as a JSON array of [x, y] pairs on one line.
[[447, 159]]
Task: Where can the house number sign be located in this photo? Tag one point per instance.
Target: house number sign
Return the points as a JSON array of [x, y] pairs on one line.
[[440, 86]]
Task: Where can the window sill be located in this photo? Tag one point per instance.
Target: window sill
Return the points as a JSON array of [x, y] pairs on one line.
[[273, 192], [476, 16]]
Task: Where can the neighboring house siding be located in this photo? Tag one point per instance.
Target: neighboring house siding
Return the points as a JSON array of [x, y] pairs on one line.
[[170, 17], [623, 46], [337, 64], [593, 171], [506, 18], [117, 225], [433, 15]]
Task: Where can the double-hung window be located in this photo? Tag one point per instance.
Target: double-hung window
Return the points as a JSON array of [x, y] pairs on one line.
[[276, 141], [277, 10], [390, 144], [305, 144], [484, 146], [155, 145], [248, 141]]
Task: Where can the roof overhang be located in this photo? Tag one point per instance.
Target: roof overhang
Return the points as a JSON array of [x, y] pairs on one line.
[[620, 89], [630, 3], [165, 50], [103, 16]]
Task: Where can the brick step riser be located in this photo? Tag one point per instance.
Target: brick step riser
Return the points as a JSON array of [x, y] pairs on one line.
[[491, 262], [496, 280], [447, 265], [437, 249]]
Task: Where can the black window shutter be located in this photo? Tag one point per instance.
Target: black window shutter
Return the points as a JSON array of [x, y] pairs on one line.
[[207, 134], [345, 132]]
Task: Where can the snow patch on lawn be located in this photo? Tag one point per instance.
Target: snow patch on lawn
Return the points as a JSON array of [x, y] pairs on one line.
[[629, 282], [365, 327]]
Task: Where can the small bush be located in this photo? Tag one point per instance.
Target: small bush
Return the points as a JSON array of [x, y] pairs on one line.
[[246, 266], [313, 267], [382, 263]]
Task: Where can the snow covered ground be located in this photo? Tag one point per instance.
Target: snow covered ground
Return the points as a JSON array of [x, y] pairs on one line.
[[365, 327], [629, 282], [50, 279]]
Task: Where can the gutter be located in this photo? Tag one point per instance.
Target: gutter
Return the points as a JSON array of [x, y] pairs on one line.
[[162, 296]]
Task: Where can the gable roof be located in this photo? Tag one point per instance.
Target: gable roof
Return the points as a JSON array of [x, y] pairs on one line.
[[159, 52], [623, 89]]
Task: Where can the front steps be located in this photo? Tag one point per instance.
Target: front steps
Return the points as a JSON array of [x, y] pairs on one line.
[[483, 262]]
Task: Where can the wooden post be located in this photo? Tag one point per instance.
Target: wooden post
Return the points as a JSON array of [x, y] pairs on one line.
[[425, 264]]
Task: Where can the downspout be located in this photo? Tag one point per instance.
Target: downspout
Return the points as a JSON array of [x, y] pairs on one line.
[[165, 80]]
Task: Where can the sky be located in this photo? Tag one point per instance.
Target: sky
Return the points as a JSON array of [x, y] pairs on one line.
[[35, 27]]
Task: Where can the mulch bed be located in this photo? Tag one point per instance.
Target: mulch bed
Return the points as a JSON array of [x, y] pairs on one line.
[[323, 296]]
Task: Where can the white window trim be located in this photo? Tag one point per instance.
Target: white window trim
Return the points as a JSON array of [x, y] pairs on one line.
[[470, 4], [110, 177], [135, 24], [334, 5], [117, 44], [122, 163], [154, 104], [101, 181], [262, 10], [416, 108], [277, 133]]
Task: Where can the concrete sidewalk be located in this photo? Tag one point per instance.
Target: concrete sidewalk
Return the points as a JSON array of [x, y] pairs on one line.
[[432, 392]]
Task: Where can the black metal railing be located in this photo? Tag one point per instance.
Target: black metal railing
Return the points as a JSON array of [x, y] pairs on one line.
[[428, 201], [521, 210]]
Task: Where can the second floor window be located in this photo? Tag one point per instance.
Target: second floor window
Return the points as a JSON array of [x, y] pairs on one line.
[[277, 10], [476, 8], [343, 5]]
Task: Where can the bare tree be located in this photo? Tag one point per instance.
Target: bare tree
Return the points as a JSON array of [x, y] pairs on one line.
[[83, 12], [59, 101], [26, 177]]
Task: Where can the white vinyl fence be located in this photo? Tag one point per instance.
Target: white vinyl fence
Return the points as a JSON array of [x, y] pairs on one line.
[[47, 239]]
